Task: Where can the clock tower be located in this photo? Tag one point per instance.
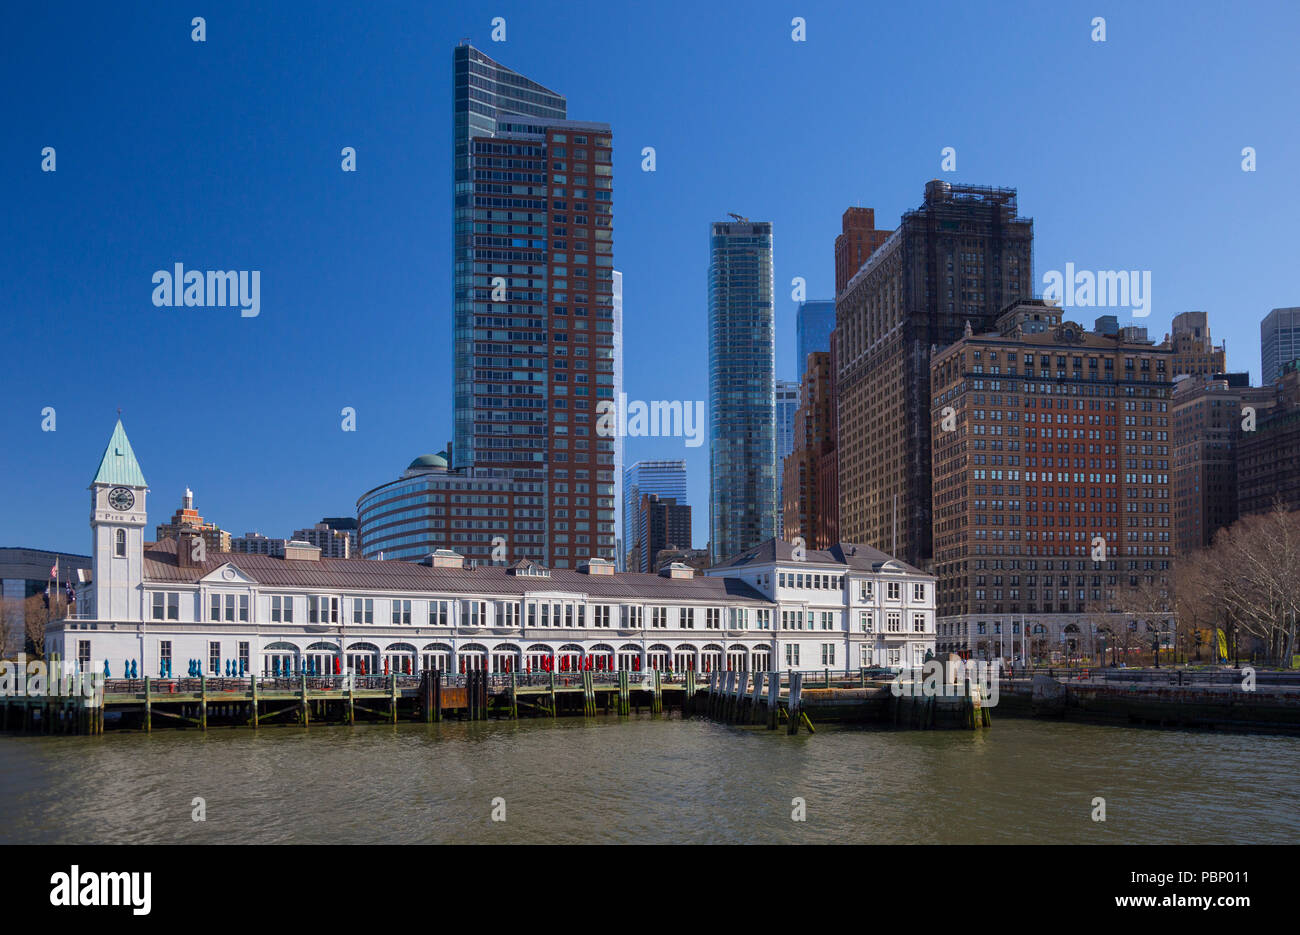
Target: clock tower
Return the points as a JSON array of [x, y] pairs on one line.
[[117, 521]]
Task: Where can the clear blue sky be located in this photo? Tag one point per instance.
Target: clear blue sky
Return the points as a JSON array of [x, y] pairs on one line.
[[225, 155]]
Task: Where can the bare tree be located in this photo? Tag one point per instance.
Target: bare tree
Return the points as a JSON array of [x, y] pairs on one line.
[[1257, 579]]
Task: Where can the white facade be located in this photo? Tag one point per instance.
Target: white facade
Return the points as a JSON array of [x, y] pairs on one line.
[[262, 612]]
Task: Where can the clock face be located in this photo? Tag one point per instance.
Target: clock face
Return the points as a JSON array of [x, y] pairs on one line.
[[121, 499]]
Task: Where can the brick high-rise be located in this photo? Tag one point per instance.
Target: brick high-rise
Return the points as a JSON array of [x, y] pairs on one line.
[[857, 240], [1044, 440], [1195, 354], [533, 299], [1206, 431], [957, 260], [802, 502]]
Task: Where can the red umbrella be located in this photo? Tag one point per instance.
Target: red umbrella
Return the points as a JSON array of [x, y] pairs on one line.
[[636, 663], [336, 665]]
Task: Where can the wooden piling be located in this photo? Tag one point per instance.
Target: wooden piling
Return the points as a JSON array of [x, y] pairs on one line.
[[754, 699], [588, 694], [148, 706], [773, 698], [552, 697], [203, 701], [624, 694], [303, 709], [392, 697], [796, 689], [657, 703], [252, 687], [514, 697]]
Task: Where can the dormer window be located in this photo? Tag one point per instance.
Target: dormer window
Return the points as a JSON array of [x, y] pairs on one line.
[[119, 543]]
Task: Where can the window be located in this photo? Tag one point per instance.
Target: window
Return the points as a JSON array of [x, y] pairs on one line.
[[659, 617], [600, 615], [440, 613], [687, 618], [363, 610], [867, 591], [477, 613], [214, 658], [165, 657], [828, 620], [918, 592], [510, 614], [83, 655], [401, 613], [166, 605], [828, 654], [918, 623], [895, 591], [632, 616], [119, 543], [764, 619], [865, 623], [281, 608], [739, 618], [893, 622], [243, 657], [791, 654], [322, 609], [222, 607], [713, 618]]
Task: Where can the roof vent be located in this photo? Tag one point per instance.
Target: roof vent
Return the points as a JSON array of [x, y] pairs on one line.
[[677, 570], [444, 558], [527, 568], [295, 550]]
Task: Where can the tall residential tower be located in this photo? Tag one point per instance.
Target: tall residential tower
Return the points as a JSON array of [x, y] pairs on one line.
[[951, 266], [742, 391], [533, 300]]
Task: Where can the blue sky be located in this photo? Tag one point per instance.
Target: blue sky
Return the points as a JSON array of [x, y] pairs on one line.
[[225, 155]]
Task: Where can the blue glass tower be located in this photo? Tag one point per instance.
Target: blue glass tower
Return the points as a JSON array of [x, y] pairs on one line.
[[814, 323], [742, 388]]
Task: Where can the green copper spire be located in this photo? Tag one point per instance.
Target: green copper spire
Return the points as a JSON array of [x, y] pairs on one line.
[[119, 466]]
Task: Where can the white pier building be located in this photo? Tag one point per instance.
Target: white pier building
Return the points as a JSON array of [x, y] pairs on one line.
[[770, 608]]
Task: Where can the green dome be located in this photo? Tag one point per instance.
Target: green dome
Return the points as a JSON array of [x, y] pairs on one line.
[[429, 461]]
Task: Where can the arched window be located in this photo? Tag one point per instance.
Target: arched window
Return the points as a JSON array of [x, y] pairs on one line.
[[119, 543]]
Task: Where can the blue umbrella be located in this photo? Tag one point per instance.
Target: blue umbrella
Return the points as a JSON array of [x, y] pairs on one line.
[[106, 668]]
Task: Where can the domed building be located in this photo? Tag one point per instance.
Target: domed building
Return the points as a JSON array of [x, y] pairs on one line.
[[473, 511]]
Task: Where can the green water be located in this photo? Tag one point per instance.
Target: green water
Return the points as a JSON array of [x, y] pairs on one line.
[[649, 780]]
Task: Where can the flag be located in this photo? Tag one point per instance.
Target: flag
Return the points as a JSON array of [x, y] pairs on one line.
[[54, 570]]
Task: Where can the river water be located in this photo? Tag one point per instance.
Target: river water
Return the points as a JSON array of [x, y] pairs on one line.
[[647, 780]]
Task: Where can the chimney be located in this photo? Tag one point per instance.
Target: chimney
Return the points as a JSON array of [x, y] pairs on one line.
[[190, 547]]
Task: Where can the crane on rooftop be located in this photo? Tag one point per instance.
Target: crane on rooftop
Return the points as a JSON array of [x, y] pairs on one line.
[[738, 217]]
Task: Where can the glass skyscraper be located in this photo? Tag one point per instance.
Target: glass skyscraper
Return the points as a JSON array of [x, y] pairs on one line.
[[742, 390], [814, 323], [787, 404], [533, 301], [1279, 342], [664, 478]]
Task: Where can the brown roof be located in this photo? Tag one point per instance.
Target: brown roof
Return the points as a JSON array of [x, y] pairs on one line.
[[359, 574], [847, 554]]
